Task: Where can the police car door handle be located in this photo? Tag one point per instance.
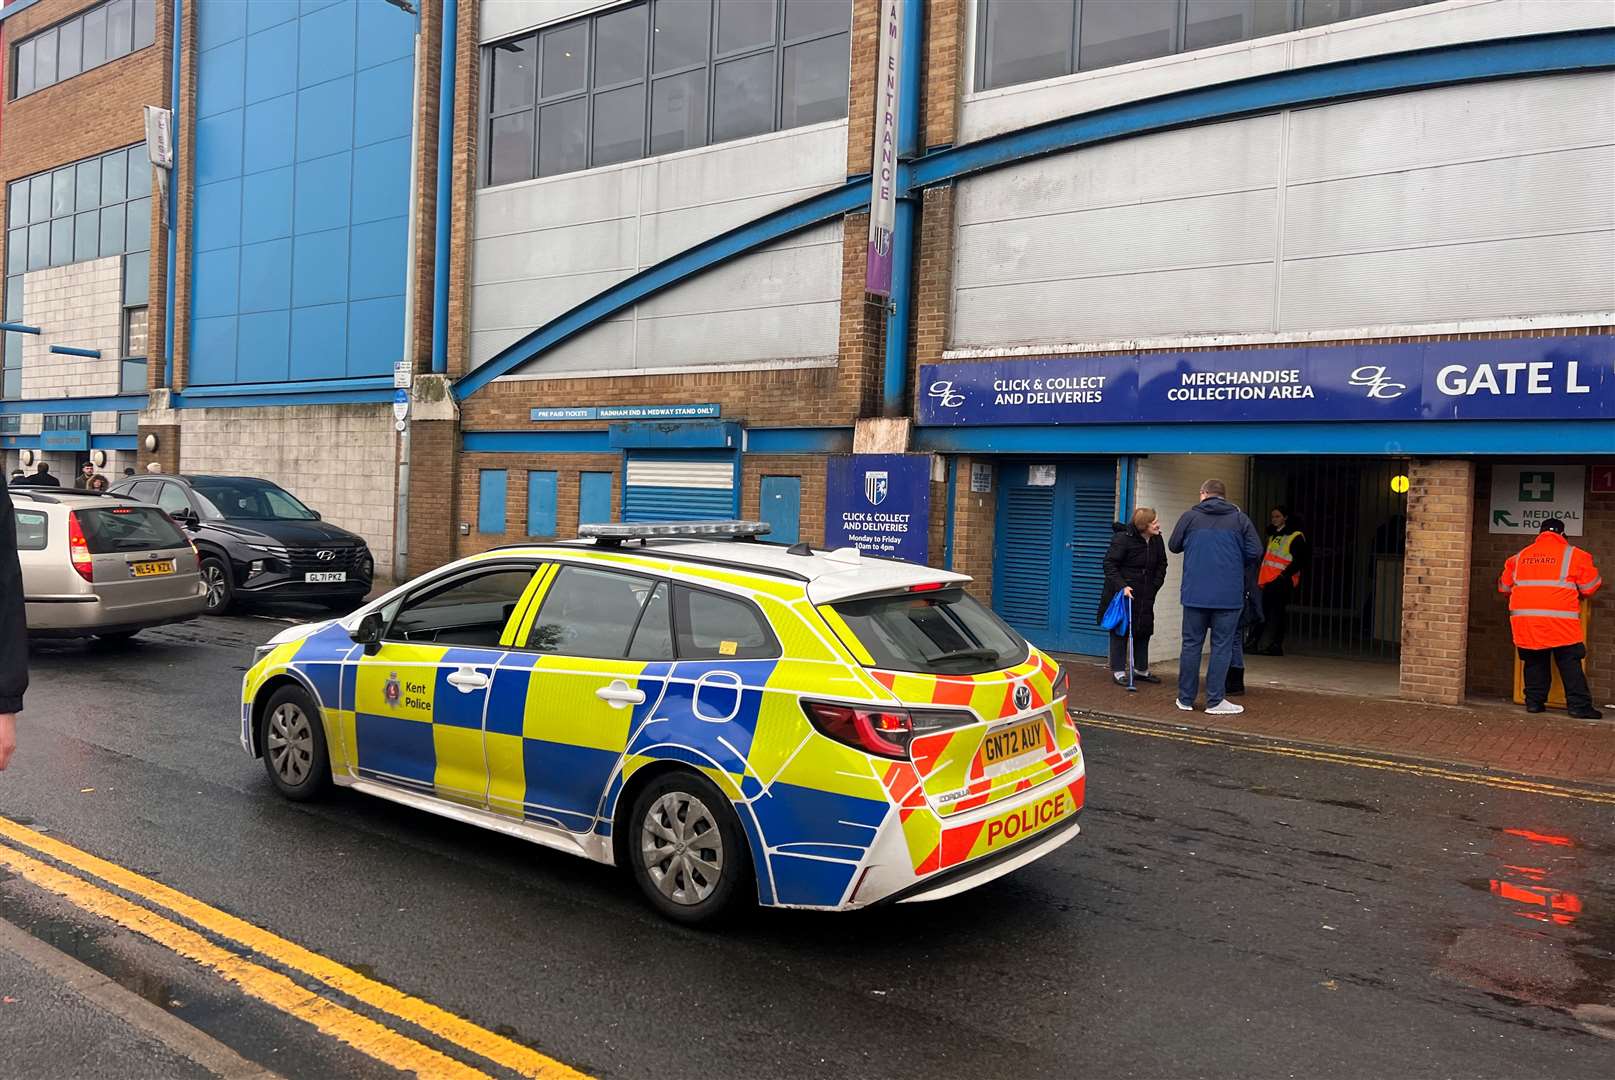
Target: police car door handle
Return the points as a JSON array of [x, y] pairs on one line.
[[466, 680], [620, 695]]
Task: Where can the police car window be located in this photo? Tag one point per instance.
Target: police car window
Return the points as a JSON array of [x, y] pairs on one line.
[[653, 640], [466, 611], [713, 627], [590, 613]]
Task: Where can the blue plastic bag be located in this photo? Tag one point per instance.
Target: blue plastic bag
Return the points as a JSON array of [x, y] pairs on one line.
[[1116, 615]]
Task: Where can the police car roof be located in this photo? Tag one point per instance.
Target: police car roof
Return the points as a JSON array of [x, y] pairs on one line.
[[828, 576]]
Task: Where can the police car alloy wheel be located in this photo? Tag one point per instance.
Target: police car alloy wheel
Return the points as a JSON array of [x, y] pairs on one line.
[[688, 853], [293, 741]]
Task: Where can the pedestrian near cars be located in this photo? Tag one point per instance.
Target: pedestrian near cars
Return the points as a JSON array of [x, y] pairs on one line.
[[1135, 565], [1545, 584], [1219, 545], [86, 474], [42, 478], [98, 483], [1287, 557], [13, 632], [1249, 616]]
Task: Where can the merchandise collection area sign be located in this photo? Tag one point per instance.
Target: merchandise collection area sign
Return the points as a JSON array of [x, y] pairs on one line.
[[879, 504], [1560, 378]]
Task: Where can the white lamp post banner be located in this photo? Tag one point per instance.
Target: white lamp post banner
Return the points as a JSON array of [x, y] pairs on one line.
[[883, 183]]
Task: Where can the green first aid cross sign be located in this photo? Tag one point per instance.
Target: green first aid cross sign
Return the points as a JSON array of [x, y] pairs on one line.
[[1536, 487]]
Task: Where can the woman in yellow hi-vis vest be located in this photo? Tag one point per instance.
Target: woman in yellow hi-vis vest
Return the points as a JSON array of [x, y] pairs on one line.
[[1287, 557]]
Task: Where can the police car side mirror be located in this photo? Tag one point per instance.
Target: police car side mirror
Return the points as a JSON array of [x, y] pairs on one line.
[[368, 634]]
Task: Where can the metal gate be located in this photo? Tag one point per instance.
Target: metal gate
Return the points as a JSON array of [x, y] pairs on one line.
[[686, 485], [1353, 512]]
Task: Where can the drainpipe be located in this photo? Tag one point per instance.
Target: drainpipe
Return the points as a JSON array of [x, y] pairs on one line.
[[401, 505], [445, 186], [173, 204], [894, 397]]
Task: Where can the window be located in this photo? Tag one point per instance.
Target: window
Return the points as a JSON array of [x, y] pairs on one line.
[[661, 76], [91, 209], [244, 499], [31, 530], [143, 490], [941, 632], [653, 638], [172, 499], [468, 610], [128, 423], [128, 528], [79, 421], [714, 627], [82, 43], [590, 613], [10, 425], [1027, 40]]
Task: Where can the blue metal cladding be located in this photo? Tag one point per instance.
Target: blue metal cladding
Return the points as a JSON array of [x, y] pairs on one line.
[[541, 504], [594, 498], [492, 486], [303, 122], [781, 507]]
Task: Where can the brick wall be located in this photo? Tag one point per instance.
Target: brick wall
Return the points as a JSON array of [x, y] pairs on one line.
[[861, 96], [468, 59], [809, 468], [933, 281], [433, 456], [973, 516], [168, 444], [338, 459], [1435, 579], [428, 65], [80, 304], [566, 468], [942, 77], [1491, 646]]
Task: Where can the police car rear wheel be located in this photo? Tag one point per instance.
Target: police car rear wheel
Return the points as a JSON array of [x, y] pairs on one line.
[[293, 740], [689, 855]]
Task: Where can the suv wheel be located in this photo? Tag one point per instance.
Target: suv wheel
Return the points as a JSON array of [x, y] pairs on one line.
[[220, 590], [293, 741], [687, 850]]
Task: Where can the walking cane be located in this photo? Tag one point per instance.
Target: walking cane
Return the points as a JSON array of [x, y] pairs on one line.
[[1131, 689]]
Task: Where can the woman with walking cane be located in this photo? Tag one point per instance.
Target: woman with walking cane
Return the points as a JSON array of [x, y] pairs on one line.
[[1135, 567]]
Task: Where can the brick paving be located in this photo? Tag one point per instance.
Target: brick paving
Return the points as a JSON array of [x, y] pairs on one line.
[[1496, 736]]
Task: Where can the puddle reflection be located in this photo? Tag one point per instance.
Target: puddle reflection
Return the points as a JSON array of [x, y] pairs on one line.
[[1533, 888]]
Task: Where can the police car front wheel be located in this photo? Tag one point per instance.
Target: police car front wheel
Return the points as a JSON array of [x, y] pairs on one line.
[[293, 741], [689, 855]]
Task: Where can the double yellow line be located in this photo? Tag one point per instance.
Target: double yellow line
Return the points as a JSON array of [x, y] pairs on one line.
[[1357, 761], [364, 1034]]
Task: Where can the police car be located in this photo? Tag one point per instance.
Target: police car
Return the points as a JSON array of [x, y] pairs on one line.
[[727, 719]]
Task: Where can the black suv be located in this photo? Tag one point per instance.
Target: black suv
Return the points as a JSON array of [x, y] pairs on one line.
[[257, 542]]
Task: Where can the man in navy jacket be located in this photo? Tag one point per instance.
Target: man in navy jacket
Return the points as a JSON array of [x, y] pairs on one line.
[[1219, 545]]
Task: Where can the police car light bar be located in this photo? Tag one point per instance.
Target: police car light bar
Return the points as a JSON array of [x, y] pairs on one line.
[[653, 530]]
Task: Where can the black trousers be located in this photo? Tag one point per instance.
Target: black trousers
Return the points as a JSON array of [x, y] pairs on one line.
[[1269, 634], [1539, 676], [1141, 652]]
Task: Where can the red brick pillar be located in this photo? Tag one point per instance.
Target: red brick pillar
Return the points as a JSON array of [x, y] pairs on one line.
[[1435, 580]]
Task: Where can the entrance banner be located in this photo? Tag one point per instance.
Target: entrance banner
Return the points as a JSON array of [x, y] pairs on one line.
[[879, 504], [883, 189], [1557, 378]]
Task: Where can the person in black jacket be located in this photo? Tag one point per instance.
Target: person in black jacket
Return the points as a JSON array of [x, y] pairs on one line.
[[42, 478], [1135, 565], [13, 631]]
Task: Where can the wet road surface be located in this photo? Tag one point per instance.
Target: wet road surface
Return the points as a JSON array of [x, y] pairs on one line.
[[1223, 914]]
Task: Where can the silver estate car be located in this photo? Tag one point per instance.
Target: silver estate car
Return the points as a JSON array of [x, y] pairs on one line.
[[102, 565]]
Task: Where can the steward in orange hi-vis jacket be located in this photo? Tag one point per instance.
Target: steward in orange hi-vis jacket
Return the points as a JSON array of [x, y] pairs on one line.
[[1545, 584]]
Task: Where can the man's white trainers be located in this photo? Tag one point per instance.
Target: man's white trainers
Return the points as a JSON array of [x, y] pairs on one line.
[[1185, 708], [1225, 708]]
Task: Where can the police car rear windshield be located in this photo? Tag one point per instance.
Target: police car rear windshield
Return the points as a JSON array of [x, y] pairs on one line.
[[945, 632]]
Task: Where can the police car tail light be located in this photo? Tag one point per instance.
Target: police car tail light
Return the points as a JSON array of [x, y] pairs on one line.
[[1062, 683], [78, 550], [886, 732]]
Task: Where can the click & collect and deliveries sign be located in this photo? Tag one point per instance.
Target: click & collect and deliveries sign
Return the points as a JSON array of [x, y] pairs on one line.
[[1563, 378], [879, 504]]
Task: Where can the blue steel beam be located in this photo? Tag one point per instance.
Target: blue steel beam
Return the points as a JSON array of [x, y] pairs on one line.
[[69, 350]]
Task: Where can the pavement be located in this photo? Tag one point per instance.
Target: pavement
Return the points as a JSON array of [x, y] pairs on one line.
[[1494, 736], [1224, 913]]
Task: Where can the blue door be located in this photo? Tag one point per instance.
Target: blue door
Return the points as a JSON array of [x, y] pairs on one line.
[[781, 505], [1053, 528]]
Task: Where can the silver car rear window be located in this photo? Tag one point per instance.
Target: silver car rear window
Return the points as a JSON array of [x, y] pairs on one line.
[[128, 528], [31, 531]]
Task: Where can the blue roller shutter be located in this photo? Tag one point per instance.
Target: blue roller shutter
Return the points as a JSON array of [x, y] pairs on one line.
[[688, 485], [1025, 549]]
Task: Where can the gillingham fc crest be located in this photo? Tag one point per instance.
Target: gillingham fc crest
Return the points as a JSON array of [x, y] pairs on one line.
[[876, 485], [392, 690]]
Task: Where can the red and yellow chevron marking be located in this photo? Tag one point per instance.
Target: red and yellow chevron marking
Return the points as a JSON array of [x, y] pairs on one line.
[[965, 842]]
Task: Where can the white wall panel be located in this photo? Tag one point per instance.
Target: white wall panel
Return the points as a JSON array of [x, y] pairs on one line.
[[502, 18], [1206, 300], [1509, 117], [1537, 275], [1214, 229], [1565, 191], [544, 246]]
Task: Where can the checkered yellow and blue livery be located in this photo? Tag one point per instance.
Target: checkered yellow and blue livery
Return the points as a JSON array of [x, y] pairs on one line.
[[850, 776]]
